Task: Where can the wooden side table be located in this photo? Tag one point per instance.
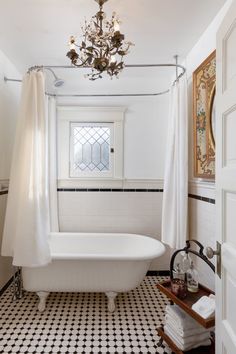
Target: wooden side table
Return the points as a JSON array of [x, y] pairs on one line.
[[186, 305]]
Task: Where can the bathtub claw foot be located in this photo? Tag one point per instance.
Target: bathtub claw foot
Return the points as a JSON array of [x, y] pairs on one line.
[[42, 300], [111, 295]]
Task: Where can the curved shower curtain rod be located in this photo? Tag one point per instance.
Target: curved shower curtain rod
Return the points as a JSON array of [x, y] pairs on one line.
[[50, 67]]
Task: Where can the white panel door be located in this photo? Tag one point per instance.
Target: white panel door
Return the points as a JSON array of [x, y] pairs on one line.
[[226, 183]]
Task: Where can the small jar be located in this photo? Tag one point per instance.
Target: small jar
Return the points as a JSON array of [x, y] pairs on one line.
[[192, 279], [178, 288]]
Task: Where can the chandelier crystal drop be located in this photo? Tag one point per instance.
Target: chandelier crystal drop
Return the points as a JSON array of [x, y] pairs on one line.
[[103, 46]]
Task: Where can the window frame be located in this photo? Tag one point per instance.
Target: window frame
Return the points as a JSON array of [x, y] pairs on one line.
[[77, 114]]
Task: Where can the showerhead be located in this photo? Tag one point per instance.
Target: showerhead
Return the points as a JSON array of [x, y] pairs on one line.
[[57, 82]]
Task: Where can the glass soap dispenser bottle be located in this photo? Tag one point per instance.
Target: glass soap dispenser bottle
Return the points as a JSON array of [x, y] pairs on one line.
[[192, 279]]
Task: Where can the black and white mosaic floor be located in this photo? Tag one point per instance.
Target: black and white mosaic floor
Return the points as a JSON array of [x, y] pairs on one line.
[[80, 323]]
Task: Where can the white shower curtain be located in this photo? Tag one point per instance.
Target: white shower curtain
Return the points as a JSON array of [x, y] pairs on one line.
[[175, 197], [53, 203], [27, 220]]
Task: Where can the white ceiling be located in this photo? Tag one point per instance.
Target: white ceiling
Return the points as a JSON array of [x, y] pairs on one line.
[[37, 31]]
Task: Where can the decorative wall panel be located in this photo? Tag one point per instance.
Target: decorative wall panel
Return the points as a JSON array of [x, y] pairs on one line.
[[204, 79]]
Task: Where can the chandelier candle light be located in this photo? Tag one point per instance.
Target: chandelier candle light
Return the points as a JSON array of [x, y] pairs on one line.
[[103, 46]]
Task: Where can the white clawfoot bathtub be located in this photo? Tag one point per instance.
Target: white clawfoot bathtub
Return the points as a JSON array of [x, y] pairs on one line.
[[84, 262]]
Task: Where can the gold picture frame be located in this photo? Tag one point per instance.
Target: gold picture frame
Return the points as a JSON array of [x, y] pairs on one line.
[[204, 81]]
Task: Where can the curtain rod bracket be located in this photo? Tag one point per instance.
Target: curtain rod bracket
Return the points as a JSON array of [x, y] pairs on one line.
[[176, 68]]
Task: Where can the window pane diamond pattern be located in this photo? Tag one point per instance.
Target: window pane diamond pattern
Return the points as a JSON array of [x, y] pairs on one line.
[[91, 148]]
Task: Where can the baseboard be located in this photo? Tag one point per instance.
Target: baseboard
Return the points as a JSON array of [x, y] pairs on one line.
[[4, 288], [163, 273]]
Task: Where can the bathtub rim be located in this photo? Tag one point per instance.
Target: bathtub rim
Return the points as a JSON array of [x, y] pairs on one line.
[[149, 255]]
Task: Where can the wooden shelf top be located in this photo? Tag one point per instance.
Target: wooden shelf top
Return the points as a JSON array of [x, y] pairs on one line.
[[176, 350], [187, 303]]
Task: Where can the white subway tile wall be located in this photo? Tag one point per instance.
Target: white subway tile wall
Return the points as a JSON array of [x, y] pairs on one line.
[[116, 212], [202, 228]]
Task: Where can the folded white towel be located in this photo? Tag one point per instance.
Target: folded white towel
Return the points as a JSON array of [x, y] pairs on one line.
[[186, 347], [205, 306], [181, 318], [190, 339], [185, 332]]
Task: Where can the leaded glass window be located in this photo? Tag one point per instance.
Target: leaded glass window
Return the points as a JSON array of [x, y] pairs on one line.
[[91, 146]]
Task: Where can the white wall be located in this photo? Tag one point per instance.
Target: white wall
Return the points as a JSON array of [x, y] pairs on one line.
[[202, 213], [9, 98], [145, 138], [145, 132]]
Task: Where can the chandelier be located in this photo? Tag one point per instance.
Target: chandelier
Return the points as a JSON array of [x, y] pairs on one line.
[[103, 46]]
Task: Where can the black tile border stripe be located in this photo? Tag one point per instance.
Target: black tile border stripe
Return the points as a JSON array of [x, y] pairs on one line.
[[109, 190], [203, 199], [4, 288], [163, 273], [133, 190]]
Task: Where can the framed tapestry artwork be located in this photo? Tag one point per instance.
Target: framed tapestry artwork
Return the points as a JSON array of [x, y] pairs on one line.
[[204, 81]]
